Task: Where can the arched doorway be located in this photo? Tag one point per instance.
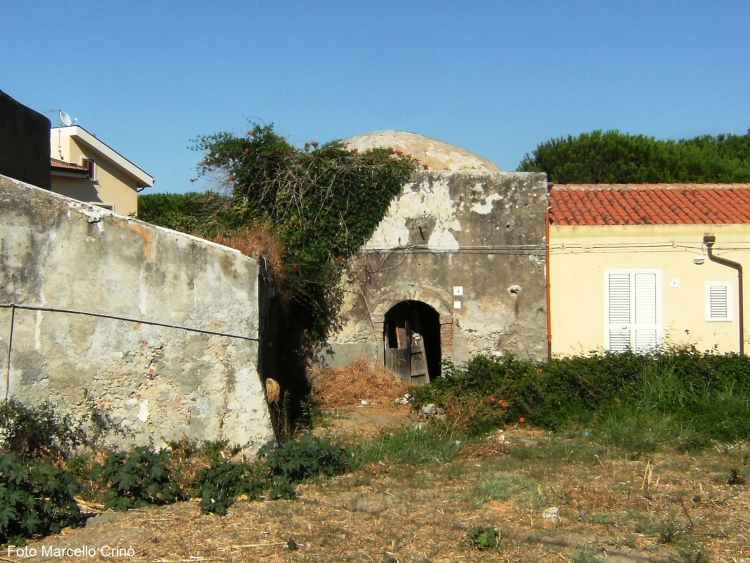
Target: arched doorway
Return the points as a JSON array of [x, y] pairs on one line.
[[411, 342]]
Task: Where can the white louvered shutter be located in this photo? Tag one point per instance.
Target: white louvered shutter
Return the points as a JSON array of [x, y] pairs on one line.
[[633, 310], [618, 314], [718, 301]]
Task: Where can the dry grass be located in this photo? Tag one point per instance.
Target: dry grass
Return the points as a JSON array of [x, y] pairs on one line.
[[349, 385], [258, 240], [670, 505]]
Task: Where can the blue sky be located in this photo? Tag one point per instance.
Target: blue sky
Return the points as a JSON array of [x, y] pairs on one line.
[[496, 78]]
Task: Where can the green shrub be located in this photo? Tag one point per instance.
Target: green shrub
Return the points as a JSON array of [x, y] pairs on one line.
[[219, 484], [278, 469], [638, 401], [35, 499], [36, 431], [296, 461], [138, 478]]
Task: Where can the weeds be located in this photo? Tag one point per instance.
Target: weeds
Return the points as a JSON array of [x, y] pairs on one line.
[[735, 478], [503, 487], [584, 556], [138, 478], [219, 485], [37, 431], [296, 461], [482, 537], [410, 445], [35, 498], [637, 402]]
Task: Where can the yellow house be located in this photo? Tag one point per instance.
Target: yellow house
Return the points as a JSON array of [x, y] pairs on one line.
[[634, 266], [86, 169]]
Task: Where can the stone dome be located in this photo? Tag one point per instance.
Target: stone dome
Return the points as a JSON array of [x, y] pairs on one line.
[[436, 155]]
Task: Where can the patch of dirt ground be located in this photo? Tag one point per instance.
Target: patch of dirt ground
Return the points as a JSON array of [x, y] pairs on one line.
[[667, 506]]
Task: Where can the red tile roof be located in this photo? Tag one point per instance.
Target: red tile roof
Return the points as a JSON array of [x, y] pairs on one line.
[[649, 204], [62, 165]]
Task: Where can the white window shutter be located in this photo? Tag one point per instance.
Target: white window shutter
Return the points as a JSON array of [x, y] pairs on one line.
[[645, 298], [718, 301], [633, 300], [619, 298]]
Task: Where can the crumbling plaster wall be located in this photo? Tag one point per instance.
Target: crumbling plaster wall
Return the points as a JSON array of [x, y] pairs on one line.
[[484, 233], [154, 383]]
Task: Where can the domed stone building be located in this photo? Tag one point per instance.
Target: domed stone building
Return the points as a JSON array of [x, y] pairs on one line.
[[455, 268]]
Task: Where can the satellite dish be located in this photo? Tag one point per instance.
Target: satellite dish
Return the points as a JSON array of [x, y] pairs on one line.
[[65, 119]]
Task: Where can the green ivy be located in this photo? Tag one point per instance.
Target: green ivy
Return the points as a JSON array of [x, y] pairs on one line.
[[138, 478], [35, 498]]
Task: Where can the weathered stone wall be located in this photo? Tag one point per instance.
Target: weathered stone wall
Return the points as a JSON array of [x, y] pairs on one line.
[[24, 143], [482, 233], [154, 383]]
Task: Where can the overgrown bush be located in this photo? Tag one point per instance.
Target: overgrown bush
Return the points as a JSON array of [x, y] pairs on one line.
[[274, 475], [295, 461], [324, 201], [141, 477], [37, 431], [675, 394], [219, 485], [35, 498]]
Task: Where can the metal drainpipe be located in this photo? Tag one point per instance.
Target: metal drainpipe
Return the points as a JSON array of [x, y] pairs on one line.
[[709, 241]]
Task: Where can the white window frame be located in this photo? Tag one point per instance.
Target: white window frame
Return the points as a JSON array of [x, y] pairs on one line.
[[727, 285], [631, 326], [90, 165]]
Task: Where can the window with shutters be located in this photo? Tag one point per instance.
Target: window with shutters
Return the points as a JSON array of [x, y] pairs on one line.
[[633, 310], [90, 165], [718, 301]]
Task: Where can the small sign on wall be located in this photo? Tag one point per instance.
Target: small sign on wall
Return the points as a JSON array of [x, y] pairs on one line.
[[458, 290], [674, 283], [456, 304]]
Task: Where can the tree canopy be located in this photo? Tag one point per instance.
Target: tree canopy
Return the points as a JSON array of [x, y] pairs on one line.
[[614, 157]]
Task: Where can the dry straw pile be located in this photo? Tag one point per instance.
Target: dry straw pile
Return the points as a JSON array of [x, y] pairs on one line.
[[349, 385]]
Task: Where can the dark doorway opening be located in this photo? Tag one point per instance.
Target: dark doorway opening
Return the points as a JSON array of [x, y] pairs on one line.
[[411, 342]]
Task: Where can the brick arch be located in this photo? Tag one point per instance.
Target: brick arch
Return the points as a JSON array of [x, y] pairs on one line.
[[431, 297], [435, 298]]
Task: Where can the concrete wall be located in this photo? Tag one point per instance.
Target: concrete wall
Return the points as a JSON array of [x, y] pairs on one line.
[[24, 143], [580, 255], [154, 383], [483, 233]]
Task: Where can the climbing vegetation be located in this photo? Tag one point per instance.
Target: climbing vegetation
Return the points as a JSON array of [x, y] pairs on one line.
[[324, 201], [614, 157], [316, 205]]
